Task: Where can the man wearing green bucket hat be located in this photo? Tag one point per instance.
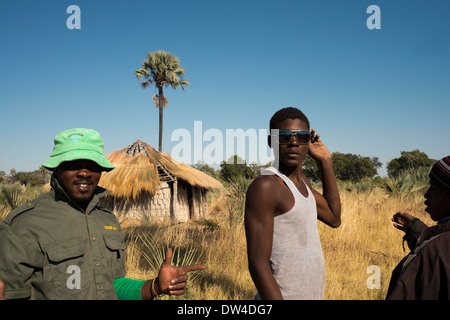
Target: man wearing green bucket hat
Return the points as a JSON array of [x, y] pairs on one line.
[[75, 144], [63, 245]]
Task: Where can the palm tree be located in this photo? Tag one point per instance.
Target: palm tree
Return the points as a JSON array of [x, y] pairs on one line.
[[161, 69]]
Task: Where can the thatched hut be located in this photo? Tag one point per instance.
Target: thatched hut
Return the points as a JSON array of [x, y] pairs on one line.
[[150, 184]]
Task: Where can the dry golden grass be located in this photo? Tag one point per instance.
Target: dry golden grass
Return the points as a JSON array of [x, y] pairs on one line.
[[366, 237]]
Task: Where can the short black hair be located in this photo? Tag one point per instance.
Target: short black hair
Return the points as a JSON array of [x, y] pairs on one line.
[[287, 113]]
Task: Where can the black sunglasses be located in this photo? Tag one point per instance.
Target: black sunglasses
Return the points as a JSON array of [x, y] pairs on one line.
[[285, 136]]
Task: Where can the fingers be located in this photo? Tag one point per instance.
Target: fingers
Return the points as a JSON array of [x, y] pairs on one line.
[[178, 286], [314, 137], [401, 220], [177, 292], [182, 273], [400, 227], [185, 269], [168, 258], [171, 279], [402, 217], [179, 279], [405, 216], [194, 267]]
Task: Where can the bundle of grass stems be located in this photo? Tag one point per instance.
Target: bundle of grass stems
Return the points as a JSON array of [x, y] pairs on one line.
[[138, 168]]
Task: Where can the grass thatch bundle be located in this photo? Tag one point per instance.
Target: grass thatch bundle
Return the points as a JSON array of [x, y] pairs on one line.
[[139, 168]]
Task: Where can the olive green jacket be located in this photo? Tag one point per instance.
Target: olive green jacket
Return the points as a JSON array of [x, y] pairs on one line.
[[51, 249]]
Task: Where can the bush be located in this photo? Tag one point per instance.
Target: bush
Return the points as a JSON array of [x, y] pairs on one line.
[[15, 195], [408, 181], [235, 168], [407, 161]]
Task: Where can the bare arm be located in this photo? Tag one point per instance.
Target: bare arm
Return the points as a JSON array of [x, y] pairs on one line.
[[328, 203], [259, 219]]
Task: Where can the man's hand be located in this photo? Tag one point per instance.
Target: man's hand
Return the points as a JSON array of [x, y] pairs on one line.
[[171, 279], [2, 290], [317, 149], [328, 203], [401, 220]]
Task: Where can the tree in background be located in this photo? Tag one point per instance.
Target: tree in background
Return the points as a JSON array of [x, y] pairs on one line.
[[161, 69], [354, 167], [236, 169], [203, 167], [37, 177], [347, 166], [34, 178], [408, 160], [310, 169]]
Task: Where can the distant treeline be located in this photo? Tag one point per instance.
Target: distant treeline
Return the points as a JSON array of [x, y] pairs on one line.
[[347, 167]]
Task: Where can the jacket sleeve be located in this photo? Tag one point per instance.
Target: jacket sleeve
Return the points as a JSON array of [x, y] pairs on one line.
[[416, 282], [17, 263], [413, 232]]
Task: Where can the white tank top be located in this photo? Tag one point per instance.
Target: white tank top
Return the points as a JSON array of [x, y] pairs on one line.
[[297, 261]]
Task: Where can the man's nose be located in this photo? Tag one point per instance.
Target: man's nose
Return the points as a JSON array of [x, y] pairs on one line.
[[84, 172], [293, 140]]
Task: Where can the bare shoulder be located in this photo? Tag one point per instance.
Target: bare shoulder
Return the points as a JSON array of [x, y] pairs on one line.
[[264, 191], [263, 184]]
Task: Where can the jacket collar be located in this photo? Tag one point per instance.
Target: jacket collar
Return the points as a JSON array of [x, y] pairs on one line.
[[444, 220], [433, 231], [61, 195]]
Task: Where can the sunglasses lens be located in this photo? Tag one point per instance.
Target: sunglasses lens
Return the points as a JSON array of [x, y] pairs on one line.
[[303, 138], [284, 138]]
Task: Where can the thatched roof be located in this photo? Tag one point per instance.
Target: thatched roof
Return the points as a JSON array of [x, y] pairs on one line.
[[140, 168]]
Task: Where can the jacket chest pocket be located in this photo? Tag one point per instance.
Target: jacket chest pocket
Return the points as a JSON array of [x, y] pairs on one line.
[[115, 255], [66, 263]]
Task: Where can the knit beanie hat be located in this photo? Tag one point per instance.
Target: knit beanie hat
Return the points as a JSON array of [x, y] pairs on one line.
[[440, 173]]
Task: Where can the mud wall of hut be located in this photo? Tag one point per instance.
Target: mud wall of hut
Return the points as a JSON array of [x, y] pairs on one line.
[[188, 204], [145, 207]]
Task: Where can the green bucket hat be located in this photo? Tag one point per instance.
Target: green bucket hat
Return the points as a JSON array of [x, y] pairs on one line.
[[77, 144]]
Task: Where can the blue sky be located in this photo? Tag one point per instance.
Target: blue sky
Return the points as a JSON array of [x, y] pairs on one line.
[[367, 92]]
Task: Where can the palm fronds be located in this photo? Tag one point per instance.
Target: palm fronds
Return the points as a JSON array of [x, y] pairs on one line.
[[162, 69], [4, 211], [15, 195], [12, 195], [408, 181]]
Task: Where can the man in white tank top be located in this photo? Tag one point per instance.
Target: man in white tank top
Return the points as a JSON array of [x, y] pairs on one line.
[[283, 245]]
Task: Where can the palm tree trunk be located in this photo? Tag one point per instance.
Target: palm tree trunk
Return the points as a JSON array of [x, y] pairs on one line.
[[160, 103]]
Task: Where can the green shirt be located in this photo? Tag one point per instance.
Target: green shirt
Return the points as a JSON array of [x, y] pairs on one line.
[[52, 249]]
